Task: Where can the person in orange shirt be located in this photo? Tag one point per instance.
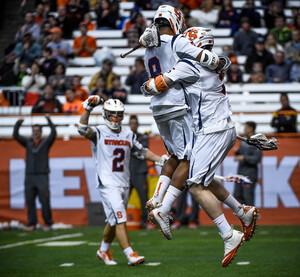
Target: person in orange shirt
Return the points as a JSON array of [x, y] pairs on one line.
[[73, 105], [84, 46], [80, 92], [88, 20]]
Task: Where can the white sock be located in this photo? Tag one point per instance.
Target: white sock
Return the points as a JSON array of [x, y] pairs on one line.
[[232, 203], [170, 197], [104, 246], [222, 224], [127, 251], [161, 187]]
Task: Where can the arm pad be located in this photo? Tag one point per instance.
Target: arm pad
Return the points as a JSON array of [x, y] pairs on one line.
[[209, 59], [83, 129]]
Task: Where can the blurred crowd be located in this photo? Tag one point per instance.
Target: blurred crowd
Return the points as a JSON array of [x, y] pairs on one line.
[[41, 53]]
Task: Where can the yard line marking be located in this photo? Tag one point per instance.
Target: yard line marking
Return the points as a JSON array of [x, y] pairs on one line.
[[243, 263], [67, 264], [152, 264], [62, 243], [41, 240]]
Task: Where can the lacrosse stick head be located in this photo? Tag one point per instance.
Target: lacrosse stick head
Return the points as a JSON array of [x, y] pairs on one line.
[[261, 142]]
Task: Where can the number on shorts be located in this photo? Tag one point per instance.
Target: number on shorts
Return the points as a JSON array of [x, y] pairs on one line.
[[154, 67], [119, 215], [117, 164]]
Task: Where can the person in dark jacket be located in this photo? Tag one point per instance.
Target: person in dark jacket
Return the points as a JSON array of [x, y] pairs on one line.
[[249, 158], [37, 171], [137, 77]]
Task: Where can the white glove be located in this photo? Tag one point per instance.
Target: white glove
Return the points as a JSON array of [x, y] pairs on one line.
[[144, 90], [150, 38], [209, 59], [226, 61], [162, 160], [93, 101]]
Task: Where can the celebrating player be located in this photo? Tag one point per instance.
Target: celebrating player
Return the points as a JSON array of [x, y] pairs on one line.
[[111, 148]]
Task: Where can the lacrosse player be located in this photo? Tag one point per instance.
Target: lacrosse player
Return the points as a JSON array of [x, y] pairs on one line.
[[213, 136], [111, 149]]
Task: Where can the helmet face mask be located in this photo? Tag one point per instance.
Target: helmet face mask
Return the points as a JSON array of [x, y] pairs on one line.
[[113, 114], [201, 37]]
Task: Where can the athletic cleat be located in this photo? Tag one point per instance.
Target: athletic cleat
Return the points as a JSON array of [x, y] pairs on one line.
[[248, 216], [134, 259], [232, 241], [161, 220], [106, 257], [152, 204]]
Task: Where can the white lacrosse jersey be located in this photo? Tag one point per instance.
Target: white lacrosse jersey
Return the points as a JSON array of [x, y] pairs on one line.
[[111, 152], [206, 94], [162, 59]]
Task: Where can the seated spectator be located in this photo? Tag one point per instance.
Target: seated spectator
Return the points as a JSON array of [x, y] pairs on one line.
[[33, 84], [228, 17], [88, 20], [259, 54], [136, 30], [7, 74], [257, 75], [296, 23], [292, 48], [271, 44], [130, 21], [58, 80], [29, 27], [208, 15], [39, 14], [73, 104], [84, 45], [117, 91], [61, 20], [249, 11], [274, 10], [295, 71], [278, 72], [190, 21], [244, 39], [234, 73], [47, 62], [80, 92], [45, 35], [281, 32], [27, 50], [137, 77], [21, 71], [285, 119], [227, 51], [101, 88], [106, 73], [47, 103], [107, 15]]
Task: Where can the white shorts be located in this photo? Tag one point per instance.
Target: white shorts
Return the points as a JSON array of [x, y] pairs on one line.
[[208, 153], [176, 133], [114, 200]]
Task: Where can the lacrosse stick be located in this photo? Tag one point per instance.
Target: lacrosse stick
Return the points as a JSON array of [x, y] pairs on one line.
[[123, 55], [240, 179], [260, 141]]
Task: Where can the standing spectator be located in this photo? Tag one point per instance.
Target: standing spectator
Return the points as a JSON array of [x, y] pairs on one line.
[[59, 81], [278, 72], [61, 49], [139, 169], [292, 48], [117, 91], [271, 44], [107, 15], [47, 63], [73, 105], [190, 21], [84, 45], [259, 54], [249, 11], [295, 71], [80, 92], [257, 75], [101, 88], [228, 17], [274, 10], [208, 15], [135, 31], [106, 73], [234, 73], [37, 171], [244, 39], [281, 32], [137, 77], [285, 119], [29, 27], [248, 157], [47, 102]]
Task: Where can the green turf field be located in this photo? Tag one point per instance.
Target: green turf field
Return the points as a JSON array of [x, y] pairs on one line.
[[273, 251]]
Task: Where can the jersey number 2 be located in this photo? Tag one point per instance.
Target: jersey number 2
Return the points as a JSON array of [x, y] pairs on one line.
[[117, 165], [154, 67]]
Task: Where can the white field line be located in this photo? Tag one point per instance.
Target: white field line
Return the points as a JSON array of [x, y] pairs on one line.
[[41, 240]]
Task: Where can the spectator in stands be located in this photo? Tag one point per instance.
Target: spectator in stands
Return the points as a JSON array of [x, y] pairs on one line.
[[131, 20], [193, 4], [271, 44], [61, 49], [27, 50], [296, 23], [249, 11], [45, 35], [234, 73], [80, 92], [61, 20], [292, 48], [278, 72], [257, 75], [208, 15], [137, 77], [39, 14], [285, 119], [135, 31], [37, 171], [107, 15], [88, 20], [259, 54], [33, 84], [228, 17], [143, 4], [190, 21], [7, 72], [106, 73], [58, 80], [73, 104], [244, 39], [101, 88], [274, 10], [84, 45], [29, 27], [248, 158], [21, 71], [118, 91], [156, 3], [295, 71], [47, 62], [281, 32], [227, 51], [47, 102]]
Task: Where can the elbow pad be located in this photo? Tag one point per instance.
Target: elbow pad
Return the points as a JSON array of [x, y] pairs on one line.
[[83, 129], [209, 59]]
